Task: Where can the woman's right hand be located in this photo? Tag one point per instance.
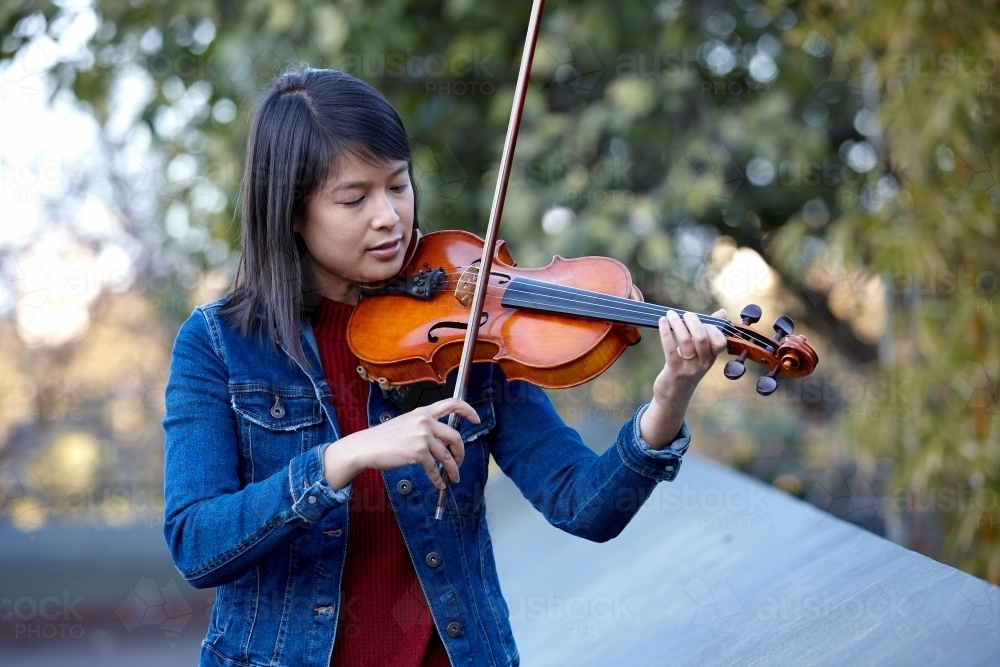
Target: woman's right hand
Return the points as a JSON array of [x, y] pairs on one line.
[[415, 437]]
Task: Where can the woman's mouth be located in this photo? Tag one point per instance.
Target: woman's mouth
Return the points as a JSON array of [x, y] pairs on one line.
[[387, 250]]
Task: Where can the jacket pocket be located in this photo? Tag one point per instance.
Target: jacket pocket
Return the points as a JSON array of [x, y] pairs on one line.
[[276, 425], [277, 409], [468, 491], [487, 420], [220, 611]]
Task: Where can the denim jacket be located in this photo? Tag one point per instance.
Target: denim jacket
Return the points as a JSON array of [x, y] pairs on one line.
[[248, 511]]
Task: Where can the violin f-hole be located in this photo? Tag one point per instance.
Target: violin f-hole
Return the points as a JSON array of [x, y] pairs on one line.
[[453, 325]]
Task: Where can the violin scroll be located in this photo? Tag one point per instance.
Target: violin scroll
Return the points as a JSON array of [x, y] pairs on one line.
[[792, 356]]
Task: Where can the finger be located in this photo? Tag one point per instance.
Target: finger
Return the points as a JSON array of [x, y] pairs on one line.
[[442, 454], [451, 439], [717, 341], [429, 464], [667, 341], [698, 335], [716, 337], [450, 405], [682, 335]]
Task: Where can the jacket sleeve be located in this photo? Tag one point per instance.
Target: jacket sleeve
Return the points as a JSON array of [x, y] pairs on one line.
[[583, 493], [216, 529]]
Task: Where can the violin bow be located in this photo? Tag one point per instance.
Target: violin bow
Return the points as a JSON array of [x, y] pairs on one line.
[[492, 229]]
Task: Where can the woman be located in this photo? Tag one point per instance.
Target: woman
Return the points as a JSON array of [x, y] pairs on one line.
[[302, 492]]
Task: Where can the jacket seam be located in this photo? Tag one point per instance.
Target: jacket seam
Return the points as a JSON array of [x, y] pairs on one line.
[[256, 609], [238, 663], [489, 598], [253, 471], [586, 504], [629, 464], [457, 523], [282, 625], [232, 554], [213, 334]]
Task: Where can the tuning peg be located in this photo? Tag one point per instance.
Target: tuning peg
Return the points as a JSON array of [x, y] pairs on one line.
[[751, 314], [734, 367], [783, 326], [767, 384]]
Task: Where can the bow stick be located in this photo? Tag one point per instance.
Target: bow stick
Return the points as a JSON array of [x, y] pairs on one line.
[[486, 263]]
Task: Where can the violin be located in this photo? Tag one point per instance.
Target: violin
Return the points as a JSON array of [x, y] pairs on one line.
[[558, 326]]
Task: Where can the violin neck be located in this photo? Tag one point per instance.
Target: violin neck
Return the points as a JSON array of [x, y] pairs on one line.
[[553, 298]]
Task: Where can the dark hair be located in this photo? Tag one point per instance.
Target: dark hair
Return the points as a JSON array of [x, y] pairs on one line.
[[300, 131]]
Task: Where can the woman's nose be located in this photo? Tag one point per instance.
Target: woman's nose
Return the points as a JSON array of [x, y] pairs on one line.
[[385, 214]]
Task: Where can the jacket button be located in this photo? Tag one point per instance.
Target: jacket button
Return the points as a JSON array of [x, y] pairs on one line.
[[404, 486], [453, 629], [277, 411], [336, 532], [312, 500], [433, 559], [385, 416]]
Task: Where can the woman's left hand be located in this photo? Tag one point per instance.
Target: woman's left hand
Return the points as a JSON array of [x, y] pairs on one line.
[[687, 361]]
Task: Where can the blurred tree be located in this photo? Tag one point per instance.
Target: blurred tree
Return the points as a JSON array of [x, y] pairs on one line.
[[809, 132], [925, 221]]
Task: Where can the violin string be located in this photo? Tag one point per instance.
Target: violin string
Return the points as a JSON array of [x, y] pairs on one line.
[[609, 301], [723, 325], [634, 307], [653, 307]]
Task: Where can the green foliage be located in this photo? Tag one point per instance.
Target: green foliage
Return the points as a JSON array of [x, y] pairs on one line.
[[936, 245], [848, 142]]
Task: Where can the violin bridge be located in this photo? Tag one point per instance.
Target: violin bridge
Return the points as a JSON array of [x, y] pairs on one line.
[[467, 286]]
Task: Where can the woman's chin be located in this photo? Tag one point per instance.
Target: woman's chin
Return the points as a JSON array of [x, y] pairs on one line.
[[379, 272]]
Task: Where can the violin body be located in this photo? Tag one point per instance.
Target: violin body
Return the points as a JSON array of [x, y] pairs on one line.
[[556, 327], [401, 338]]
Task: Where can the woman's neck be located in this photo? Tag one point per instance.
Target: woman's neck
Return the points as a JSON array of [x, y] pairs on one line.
[[347, 293], [333, 287]]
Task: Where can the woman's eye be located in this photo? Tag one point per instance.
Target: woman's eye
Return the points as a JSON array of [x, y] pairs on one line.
[[355, 202], [399, 188]]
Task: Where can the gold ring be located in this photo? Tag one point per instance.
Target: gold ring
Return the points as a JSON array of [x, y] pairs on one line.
[[686, 358]]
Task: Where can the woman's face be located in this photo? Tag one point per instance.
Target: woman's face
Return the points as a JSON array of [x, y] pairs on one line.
[[357, 227]]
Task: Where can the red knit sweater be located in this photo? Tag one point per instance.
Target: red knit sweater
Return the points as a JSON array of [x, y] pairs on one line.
[[384, 618]]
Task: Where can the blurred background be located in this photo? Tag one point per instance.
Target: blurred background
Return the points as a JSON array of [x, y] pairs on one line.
[[832, 160]]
